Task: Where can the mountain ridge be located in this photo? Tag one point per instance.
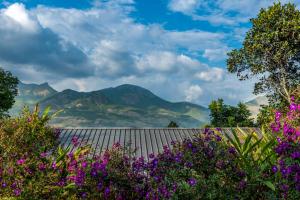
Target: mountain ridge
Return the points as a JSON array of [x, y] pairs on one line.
[[122, 106]]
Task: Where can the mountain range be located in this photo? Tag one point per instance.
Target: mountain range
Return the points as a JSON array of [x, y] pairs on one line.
[[123, 106]]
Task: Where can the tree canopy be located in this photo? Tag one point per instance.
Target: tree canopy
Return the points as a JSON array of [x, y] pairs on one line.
[[223, 115], [8, 91], [271, 53], [173, 124]]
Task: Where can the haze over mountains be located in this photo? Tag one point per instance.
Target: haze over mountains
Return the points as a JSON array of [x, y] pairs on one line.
[[122, 106]]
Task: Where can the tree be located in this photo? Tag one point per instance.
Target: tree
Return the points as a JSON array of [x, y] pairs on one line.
[[223, 115], [173, 124], [8, 91], [271, 53]]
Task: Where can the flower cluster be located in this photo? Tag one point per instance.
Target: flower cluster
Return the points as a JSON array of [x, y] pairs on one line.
[[288, 150], [32, 166]]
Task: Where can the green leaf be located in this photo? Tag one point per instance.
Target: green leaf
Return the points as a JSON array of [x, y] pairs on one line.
[[232, 142], [46, 112], [269, 185], [70, 186]]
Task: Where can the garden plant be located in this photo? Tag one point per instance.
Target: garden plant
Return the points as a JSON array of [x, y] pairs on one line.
[[209, 166]]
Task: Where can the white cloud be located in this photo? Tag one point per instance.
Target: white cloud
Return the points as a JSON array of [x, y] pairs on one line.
[[193, 93], [213, 74], [25, 43], [19, 14], [215, 54], [222, 12], [103, 46], [164, 61], [185, 6]]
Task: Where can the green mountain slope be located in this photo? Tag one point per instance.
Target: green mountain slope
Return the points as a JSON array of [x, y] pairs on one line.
[[122, 106], [30, 94]]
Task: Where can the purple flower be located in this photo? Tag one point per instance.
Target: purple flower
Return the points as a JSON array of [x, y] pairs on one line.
[[4, 185], [13, 185], [74, 141], [242, 184], [231, 150], [218, 138], [84, 164], [106, 191], [84, 195], [17, 192], [274, 169], [192, 182], [284, 187], [42, 166], [151, 155], [99, 186], [295, 155]]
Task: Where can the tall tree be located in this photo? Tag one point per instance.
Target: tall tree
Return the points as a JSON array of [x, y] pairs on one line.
[[271, 53], [223, 115], [8, 91]]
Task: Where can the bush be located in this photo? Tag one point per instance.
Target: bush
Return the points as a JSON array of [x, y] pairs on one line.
[[287, 127], [206, 167]]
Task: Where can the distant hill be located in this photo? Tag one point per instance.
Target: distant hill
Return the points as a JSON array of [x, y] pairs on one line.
[[30, 94], [254, 105], [122, 106]]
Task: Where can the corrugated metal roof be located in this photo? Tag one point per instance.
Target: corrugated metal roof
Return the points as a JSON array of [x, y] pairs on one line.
[[144, 140]]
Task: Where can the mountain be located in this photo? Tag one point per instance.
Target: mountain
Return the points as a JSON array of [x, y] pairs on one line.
[[30, 94], [254, 105], [123, 106]]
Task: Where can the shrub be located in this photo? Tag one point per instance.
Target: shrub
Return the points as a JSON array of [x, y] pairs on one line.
[[205, 167], [287, 127]]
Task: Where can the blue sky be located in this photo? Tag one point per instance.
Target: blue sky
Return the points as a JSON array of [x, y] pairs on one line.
[[175, 48]]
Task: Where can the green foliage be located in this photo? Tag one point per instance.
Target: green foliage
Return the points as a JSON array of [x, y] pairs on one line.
[[255, 156], [29, 131], [8, 91], [270, 53], [229, 116], [173, 124], [265, 116]]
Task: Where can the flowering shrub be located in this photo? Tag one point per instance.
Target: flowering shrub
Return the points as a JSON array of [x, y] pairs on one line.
[[287, 127], [205, 167]]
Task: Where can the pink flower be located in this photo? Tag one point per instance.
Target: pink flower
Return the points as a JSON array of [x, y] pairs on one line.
[[21, 161], [293, 107], [54, 165], [84, 164], [43, 155]]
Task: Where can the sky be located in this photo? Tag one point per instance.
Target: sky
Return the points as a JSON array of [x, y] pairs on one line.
[[175, 48]]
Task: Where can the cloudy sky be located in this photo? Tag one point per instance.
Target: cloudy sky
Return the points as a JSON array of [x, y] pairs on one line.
[[175, 48]]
